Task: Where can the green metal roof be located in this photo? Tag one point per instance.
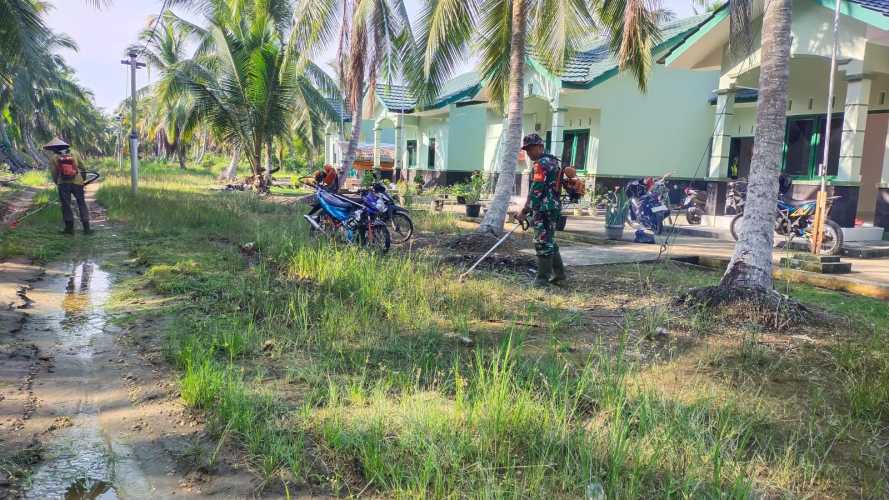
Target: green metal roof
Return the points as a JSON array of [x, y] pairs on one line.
[[872, 12], [398, 98], [590, 66], [596, 63]]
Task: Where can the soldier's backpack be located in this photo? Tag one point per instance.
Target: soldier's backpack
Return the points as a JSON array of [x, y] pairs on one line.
[[67, 168], [574, 187]]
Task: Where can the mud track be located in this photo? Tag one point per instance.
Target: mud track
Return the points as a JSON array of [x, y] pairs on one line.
[[87, 409]]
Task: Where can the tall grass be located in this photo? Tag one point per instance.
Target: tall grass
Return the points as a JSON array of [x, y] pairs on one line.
[[337, 366]]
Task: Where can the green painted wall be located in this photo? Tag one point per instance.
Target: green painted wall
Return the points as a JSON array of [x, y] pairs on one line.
[[467, 127], [664, 130]]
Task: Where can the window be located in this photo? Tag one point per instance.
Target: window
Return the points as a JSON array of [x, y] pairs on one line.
[[411, 153], [574, 151], [430, 160], [804, 145]]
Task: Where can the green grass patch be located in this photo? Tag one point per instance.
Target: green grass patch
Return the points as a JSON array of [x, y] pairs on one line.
[[336, 367]]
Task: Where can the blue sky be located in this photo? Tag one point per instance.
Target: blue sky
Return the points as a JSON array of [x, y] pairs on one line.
[[103, 36]]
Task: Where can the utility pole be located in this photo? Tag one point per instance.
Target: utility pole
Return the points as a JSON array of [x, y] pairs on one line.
[[821, 203], [134, 138]]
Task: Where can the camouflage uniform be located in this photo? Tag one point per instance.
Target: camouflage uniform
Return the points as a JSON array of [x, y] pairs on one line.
[[545, 205]]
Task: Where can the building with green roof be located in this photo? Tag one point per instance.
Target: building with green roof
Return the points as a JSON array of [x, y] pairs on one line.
[[592, 116], [858, 160]]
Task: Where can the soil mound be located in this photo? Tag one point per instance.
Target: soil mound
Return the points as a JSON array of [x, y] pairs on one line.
[[479, 243]]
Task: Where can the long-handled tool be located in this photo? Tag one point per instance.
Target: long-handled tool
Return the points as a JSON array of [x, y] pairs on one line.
[[523, 223]]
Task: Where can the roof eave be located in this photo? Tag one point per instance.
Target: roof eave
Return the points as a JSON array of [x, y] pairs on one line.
[[692, 36], [614, 70]]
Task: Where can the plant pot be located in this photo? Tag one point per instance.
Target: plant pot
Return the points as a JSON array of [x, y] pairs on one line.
[[560, 224], [438, 205], [473, 210], [461, 200], [614, 232]]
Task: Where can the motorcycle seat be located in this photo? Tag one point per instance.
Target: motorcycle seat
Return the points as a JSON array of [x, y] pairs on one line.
[[798, 203], [336, 201]]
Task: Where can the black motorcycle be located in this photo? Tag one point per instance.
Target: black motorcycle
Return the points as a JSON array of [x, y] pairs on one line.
[[735, 198], [396, 218], [694, 202]]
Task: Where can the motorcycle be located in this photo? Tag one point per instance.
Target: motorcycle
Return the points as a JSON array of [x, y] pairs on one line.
[[646, 208], [735, 198], [350, 220], [397, 218], [794, 220], [694, 202]]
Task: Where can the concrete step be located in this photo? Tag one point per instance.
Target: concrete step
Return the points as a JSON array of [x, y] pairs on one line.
[[816, 265], [866, 249]]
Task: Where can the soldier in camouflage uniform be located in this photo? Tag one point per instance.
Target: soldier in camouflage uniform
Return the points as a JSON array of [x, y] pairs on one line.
[[544, 208]]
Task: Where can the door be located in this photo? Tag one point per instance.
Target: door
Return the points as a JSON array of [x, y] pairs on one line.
[[872, 164]]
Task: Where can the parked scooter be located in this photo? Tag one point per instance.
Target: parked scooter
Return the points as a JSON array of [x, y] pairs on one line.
[[694, 203], [736, 196], [646, 207], [793, 219], [350, 220]]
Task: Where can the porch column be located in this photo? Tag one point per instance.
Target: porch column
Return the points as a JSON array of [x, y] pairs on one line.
[[399, 141], [557, 140], [378, 132], [884, 177], [854, 126], [722, 138]]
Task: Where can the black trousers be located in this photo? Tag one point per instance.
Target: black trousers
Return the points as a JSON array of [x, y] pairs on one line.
[[65, 193]]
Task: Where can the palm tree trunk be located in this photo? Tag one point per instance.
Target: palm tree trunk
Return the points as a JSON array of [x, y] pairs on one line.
[[180, 155], [8, 154], [232, 170], [36, 154], [751, 264], [496, 213], [352, 148]]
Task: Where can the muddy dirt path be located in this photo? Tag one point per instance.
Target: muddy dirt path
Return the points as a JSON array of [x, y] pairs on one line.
[[89, 410]]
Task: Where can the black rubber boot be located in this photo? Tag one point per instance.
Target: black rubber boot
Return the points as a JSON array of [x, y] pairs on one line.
[[544, 270], [559, 276], [86, 228], [69, 228]]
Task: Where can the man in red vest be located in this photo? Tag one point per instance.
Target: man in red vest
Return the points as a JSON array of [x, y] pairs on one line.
[[68, 175]]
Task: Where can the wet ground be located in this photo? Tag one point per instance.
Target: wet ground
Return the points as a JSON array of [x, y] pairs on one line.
[[89, 410], [81, 460]]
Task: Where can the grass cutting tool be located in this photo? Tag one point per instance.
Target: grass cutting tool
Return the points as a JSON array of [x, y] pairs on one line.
[[520, 223]]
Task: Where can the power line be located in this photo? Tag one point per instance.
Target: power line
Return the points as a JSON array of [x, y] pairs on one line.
[[154, 27]]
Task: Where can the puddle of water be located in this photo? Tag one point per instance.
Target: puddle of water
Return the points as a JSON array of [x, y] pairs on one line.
[[88, 489], [81, 461]]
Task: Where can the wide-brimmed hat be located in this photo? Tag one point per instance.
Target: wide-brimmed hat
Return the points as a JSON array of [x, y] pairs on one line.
[[532, 140], [56, 145]]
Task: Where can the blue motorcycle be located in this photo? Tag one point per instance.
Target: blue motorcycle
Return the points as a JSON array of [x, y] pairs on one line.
[[645, 208], [351, 221], [793, 219]]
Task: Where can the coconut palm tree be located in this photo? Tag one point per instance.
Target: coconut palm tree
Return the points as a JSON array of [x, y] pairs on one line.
[[751, 263], [39, 96], [247, 82], [502, 32], [166, 50], [374, 40]]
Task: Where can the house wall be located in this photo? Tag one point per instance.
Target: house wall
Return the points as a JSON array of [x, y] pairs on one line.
[[467, 131], [666, 129]]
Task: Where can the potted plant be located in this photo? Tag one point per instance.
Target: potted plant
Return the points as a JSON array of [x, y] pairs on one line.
[[418, 182], [615, 214], [460, 190], [473, 195]]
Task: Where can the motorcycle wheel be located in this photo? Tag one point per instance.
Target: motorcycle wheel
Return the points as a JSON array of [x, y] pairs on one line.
[[632, 219], [833, 238], [693, 216], [658, 226], [401, 228], [736, 226], [376, 238]]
